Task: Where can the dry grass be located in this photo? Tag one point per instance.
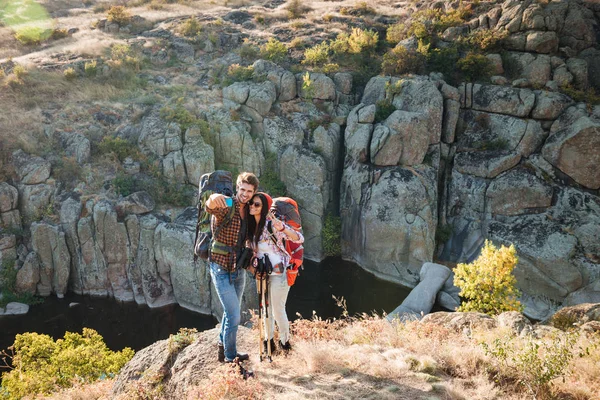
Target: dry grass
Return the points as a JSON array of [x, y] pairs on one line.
[[94, 391]]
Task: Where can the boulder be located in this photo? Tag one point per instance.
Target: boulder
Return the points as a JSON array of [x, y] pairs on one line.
[[592, 57], [284, 80], [587, 294], [575, 315], [30, 170], [376, 89], [448, 296], [11, 219], [14, 308], [573, 149], [343, 82], [75, 145], [9, 197], [55, 261], [357, 137], [134, 272], [261, 97], [198, 156], [156, 281], [450, 118], [158, 136], [191, 281], [35, 200], [545, 252], [486, 164], [542, 42], [321, 87], [366, 115], [536, 69], [279, 133], [497, 99], [28, 276], [70, 213], [420, 300], [518, 191], [549, 105], [237, 92], [562, 76], [233, 144], [579, 68], [111, 237], [402, 140], [515, 321], [327, 142], [173, 167], [309, 184], [389, 218], [136, 203], [90, 263], [183, 51]]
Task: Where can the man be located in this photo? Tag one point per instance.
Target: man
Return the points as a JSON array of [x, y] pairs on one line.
[[227, 244]]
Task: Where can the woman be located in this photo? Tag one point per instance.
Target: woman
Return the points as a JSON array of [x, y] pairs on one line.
[[265, 243]]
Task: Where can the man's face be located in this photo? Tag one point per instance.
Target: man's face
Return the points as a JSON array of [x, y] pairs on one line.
[[245, 191]]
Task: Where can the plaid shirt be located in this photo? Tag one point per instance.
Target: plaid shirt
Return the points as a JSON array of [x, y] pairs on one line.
[[228, 235]]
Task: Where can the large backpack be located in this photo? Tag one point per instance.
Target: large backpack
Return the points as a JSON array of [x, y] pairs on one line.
[[214, 182], [286, 210]]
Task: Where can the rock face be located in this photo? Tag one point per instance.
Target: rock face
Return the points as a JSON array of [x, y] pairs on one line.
[[30, 170], [50, 245], [573, 148], [389, 219]]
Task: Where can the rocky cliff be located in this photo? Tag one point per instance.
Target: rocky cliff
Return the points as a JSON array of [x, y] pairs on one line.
[[512, 159]]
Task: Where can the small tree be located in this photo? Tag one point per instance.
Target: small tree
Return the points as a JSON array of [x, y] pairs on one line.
[[487, 284]]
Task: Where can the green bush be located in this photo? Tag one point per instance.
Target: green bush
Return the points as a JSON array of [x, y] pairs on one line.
[[179, 114], [332, 233], [358, 41], [249, 51], [90, 68], [118, 15], [42, 366], [70, 74], [531, 362], [121, 148], [191, 27], [316, 55], [400, 61], [296, 9], [122, 55], [274, 51], [31, 35], [124, 184], [475, 66], [384, 108], [486, 40], [59, 33], [487, 285], [395, 33], [238, 73]]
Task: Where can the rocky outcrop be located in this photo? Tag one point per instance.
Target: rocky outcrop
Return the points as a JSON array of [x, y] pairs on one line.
[[136, 203], [50, 245], [198, 156], [284, 80], [30, 170], [10, 217], [75, 145]]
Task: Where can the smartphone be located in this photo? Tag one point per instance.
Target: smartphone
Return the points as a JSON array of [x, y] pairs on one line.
[[229, 201]]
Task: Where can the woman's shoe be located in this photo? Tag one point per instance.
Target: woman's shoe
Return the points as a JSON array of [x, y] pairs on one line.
[[272, 346], [285, 346]]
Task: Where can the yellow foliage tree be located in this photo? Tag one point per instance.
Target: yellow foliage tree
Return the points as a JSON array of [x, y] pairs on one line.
[[487, 284], [41, 365]]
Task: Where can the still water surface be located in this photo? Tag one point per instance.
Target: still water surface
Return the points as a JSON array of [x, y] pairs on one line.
[[135, 326]]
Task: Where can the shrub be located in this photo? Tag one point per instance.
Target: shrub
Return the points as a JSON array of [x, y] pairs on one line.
[[124, 55], [90, 68], [41, 366], [356, 42], [249, 51], [118, 15], [121, 148], [487, 285], [332, 233], [486, 40], [191, 27], [273, 50], [296, 9], [316, 55], [308, 89], [533, 363], [297, 43], [330, 68], [587, 96], [395, 33], [19, 71], [59, 33], [31, 35], [70, 74], [238, 73], [124, 184], [179, 114], [400, 61], [475, 66], [384, 108], [443, 60]]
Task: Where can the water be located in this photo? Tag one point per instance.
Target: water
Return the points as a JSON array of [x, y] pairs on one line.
[[130, 325]]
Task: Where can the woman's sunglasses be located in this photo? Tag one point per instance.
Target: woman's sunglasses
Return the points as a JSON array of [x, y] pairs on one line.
[[256, 204]]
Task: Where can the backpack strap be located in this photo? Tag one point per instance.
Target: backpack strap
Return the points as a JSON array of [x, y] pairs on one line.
[[273, 238]]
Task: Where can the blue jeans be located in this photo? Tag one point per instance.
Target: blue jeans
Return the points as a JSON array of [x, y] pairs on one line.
[[230, 288]]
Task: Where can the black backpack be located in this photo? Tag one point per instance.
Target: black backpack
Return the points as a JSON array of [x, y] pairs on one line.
[[214, 182]]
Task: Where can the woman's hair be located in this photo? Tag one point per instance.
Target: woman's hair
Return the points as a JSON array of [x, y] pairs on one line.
[[255, 231]]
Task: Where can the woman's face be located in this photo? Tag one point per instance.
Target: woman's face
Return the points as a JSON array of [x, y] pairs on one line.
[[255, 206]]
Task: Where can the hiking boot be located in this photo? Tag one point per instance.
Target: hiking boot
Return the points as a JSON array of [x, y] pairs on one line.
[[285, 346], [221, 354], [272, 346]]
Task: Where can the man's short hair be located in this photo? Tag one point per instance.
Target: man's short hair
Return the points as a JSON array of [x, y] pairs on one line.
[[249, 178]]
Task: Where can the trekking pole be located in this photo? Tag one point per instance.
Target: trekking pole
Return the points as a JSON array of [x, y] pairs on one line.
[[267, 321], [259, 288]]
